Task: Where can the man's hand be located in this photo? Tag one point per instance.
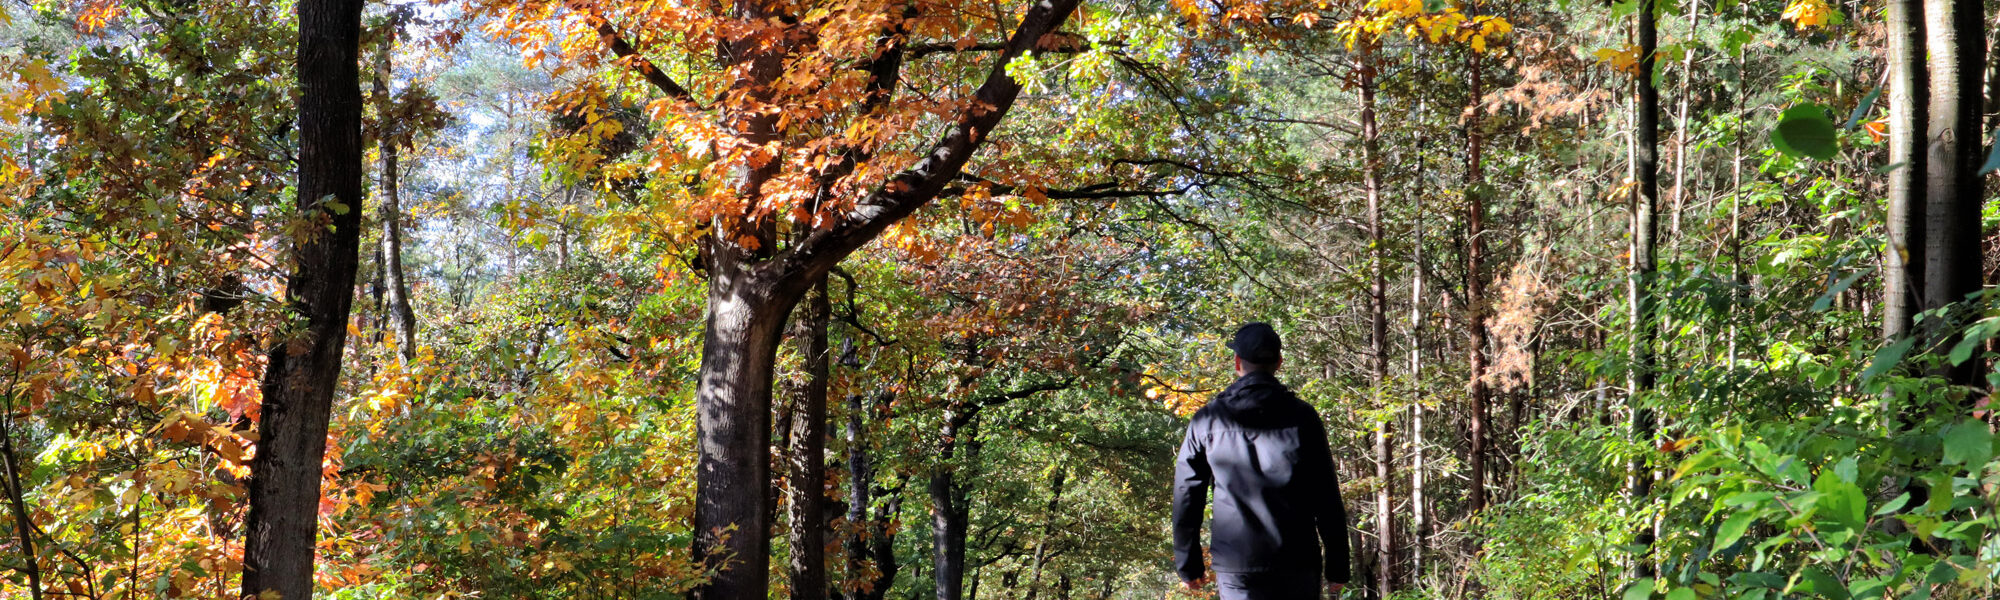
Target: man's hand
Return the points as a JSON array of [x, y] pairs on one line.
[[1333, 588]]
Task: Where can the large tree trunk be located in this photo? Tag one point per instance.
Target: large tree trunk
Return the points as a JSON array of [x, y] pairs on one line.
[[1475, 291], [807, 537], [1952, 251], [731, 519], [1378, 319], [304, 368], [1903, 259], [1645, 230]]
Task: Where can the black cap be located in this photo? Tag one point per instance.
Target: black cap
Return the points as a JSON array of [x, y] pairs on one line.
[[1257, 343]]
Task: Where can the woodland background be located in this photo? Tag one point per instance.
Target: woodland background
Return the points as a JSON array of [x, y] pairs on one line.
[[942, 280]]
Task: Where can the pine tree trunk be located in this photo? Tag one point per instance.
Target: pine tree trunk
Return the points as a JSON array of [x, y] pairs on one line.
[[1645, 231], [1378, 319], [395, 290], [1475, 293], [304, 367], [1903, 259], [1952, 252], [807, 536]]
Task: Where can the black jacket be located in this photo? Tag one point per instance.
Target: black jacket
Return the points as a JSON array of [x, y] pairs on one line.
[[1277, 498]]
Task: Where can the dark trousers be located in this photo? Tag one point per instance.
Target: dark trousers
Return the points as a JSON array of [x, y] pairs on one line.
[[1269, 585]]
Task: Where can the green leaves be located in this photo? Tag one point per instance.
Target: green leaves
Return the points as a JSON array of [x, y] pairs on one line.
[[1732, 529], [1840, 500], [1805, 131], [1968, 443], [1640, 590]]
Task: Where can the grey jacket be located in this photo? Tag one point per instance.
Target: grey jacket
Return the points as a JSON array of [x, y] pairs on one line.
[[1277, 498]]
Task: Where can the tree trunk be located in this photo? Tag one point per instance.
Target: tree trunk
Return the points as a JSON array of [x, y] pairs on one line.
[[1475, 292], [395, 291], [860, 480], [1903, 259], [303, 370], [883, 549], [1645, 230], [1048, 530], [807, 537], [1952, 253], [733, 412], [1418, 522], [1378, 319], [950, 509], [24, 524]]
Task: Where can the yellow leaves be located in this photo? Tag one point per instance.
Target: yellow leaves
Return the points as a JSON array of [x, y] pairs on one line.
[[1810, 14], [1624, 60], [1447, 26], [28, 86]]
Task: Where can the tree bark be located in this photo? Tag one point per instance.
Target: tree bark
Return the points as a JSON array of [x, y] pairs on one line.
[[303, 370], [1953, 258], [1418, 523], [860, 480], [24, 524], [807, 537], [1645, 231], [1903, 259], [1048, 531], [1378, 320], [1475, 292], [733, 413], [950, 506], [395, 290]]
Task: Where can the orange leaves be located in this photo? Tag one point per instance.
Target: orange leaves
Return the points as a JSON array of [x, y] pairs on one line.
[[233, 448], [98, 14]]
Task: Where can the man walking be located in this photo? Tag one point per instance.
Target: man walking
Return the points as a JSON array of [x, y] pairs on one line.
[[1277, 498]]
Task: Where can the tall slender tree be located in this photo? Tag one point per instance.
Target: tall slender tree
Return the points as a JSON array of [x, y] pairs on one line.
[[1903, 258], [1645, 248], [395, 289], [304, 367], [1378, 326], [1475, 287]]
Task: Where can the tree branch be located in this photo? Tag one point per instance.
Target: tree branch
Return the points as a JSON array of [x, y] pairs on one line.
[[916, 186], [631, 56]]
